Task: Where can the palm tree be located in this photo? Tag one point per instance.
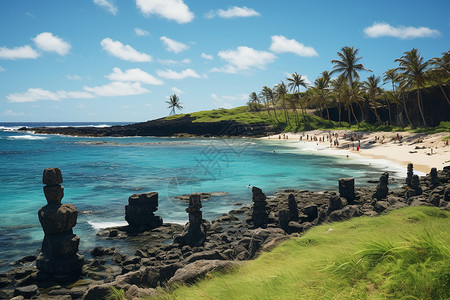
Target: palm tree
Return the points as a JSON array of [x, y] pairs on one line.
[[349, 66], [266, 94], [321, 88], [372, 88], [174, 102], [440, 73], [295, 82], [280, 93], [338, 85], [391, 75], [413, 68], [254, 101]]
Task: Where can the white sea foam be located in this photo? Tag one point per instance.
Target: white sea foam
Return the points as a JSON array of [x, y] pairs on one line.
[[3, 128], [101, 225], [26, 137]]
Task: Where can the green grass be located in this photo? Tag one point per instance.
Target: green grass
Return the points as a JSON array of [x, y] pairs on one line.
[[240, 114], [402, 255], [244, 115]]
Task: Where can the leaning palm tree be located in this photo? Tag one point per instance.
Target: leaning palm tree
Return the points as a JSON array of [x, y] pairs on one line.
[[413, 68], [280, 94], [295, 82], [373, 90], [174, 102], [349, 66]]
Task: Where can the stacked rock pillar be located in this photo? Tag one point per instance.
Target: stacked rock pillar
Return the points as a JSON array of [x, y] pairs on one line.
[[139, 213], [382, 187], [434, 180], [347, 188], [293, 209], [259, 214], [409, 174], [58, 260], [196, 233]]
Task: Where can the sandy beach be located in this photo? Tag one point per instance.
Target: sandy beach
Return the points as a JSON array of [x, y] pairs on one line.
[[425, 151]]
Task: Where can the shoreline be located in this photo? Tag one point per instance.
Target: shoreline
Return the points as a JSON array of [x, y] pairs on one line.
[[425, 151]]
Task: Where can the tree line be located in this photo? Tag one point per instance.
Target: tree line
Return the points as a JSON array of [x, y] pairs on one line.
[[345, 92]]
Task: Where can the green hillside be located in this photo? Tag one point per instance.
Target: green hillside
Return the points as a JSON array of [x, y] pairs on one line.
[[402, 255], [245, 115]]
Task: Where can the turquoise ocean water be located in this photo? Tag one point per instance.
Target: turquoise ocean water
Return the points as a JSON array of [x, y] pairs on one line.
[[101, 173]]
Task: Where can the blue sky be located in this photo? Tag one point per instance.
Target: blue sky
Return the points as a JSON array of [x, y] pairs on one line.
[[117, 60]]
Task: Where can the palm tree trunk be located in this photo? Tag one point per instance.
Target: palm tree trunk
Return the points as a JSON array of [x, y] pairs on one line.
[[406, 110], [445, 94], [419, 102], [389, 109], [275, 112], [375, 112], [349, 117], [326, 108], [353, 112], [361, 109], [339, 111]]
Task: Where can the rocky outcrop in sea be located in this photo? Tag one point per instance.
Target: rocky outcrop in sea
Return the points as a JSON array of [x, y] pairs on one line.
[[182, 126], [226, 242]]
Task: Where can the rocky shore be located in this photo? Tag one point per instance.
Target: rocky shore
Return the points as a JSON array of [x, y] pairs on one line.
[[182, 254], [183, 126]]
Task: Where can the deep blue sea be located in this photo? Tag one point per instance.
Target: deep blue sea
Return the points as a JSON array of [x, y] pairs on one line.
[[101, 173]]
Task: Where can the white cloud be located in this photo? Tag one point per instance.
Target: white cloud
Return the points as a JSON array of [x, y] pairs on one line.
[[233, 12], [135, 75], [177, 91], [174, 10], [141, 32], [207, 56], [48, 42], [173, 46], [37, 94], [2, 69], [30, 15], [281, 44], [115, 88], [124, 52], [107, 5], [402, 32], [174, 62], [74, 77], [170, 74], [18, 53], [244, 59], [229, 101], [10, 113]]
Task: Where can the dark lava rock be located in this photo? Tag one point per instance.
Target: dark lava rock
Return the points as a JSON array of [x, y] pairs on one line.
[[194, 271], [27, 291]]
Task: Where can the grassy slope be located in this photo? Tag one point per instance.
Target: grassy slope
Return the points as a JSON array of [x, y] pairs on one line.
[[402, 255], [244, 115], [240, 114]]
